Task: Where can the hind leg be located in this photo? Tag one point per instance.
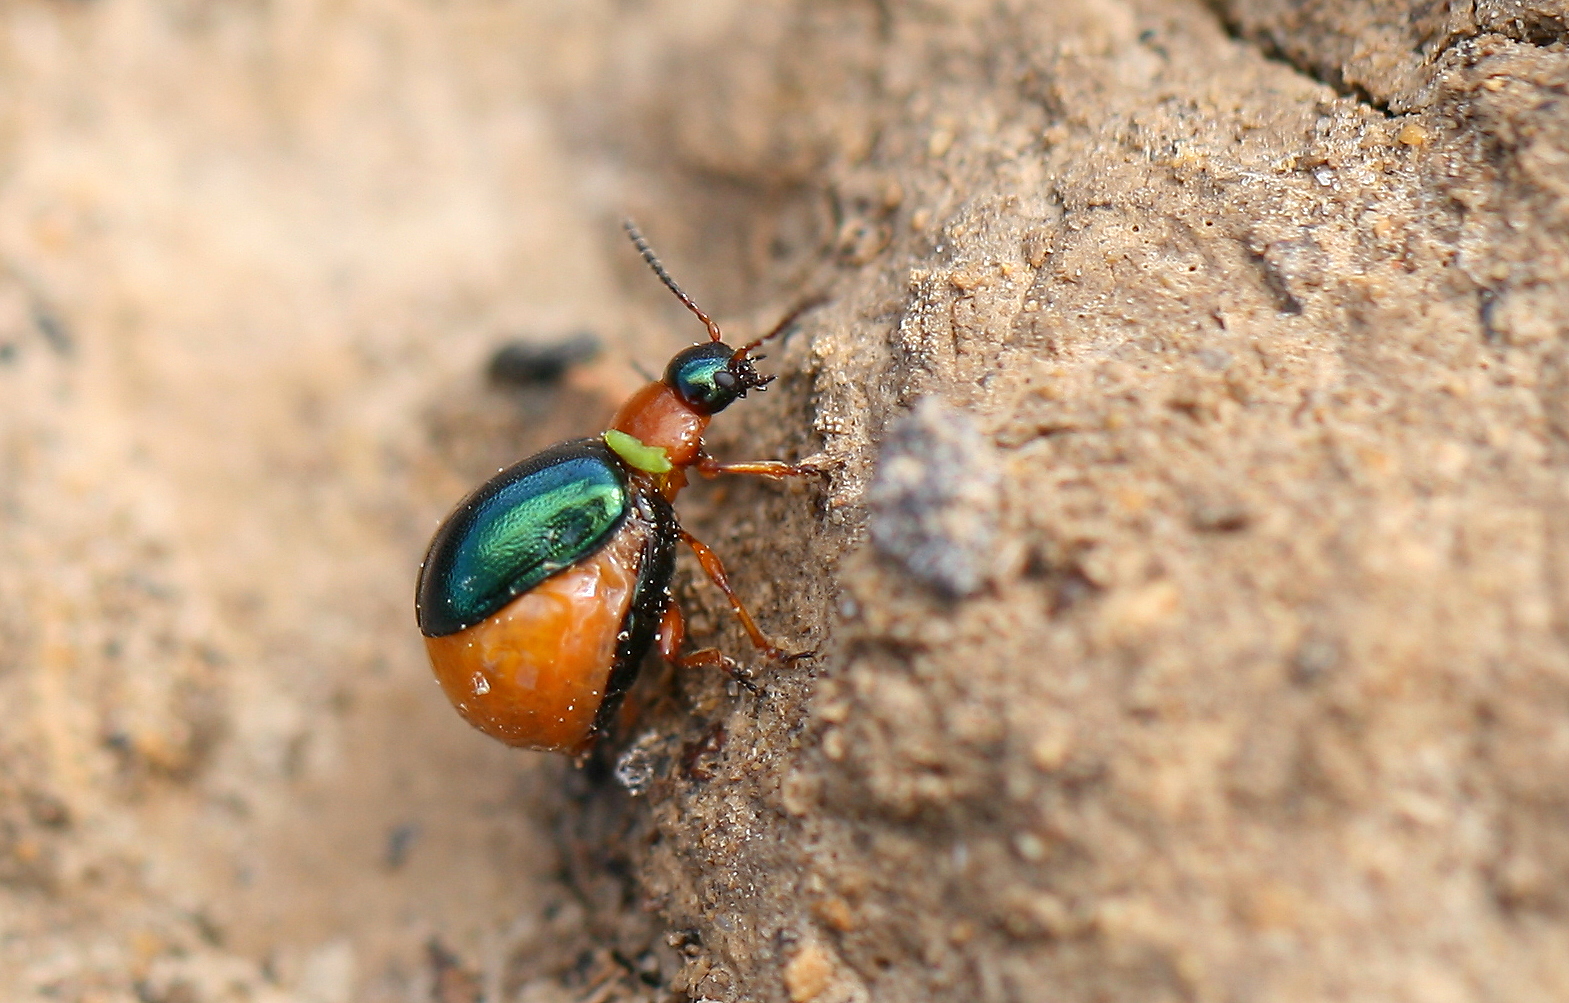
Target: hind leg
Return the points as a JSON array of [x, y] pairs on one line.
[[672, 635]]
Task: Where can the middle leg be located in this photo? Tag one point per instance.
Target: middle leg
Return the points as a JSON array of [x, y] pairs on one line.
[[715, 570]]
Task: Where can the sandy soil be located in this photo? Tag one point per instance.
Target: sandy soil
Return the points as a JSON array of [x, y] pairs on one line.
[[1189, 590]]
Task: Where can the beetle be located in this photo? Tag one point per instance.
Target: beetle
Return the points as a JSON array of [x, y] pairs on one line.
[[541, 594]]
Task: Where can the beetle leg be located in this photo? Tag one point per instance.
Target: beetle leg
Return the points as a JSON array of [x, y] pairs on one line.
[[672, 634], [775, 469], [710, 743], [715, 570], [815, 300], [713, 658]]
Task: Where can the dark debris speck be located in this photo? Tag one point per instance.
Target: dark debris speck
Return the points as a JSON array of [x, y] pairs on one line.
[[534, 364]]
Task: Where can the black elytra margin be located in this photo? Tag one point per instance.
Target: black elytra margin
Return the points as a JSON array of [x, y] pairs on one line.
[[649, 599]]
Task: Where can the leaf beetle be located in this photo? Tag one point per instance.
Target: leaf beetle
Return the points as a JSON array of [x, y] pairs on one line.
[[543, 591]]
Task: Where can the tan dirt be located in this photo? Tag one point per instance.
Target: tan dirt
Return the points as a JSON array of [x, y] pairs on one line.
[[1188, 591]]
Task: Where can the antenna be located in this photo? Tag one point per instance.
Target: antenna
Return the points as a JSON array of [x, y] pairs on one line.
[[664, 276], [784, 324]]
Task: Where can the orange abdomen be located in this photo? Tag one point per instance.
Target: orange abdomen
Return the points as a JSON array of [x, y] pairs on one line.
[[534, 673]]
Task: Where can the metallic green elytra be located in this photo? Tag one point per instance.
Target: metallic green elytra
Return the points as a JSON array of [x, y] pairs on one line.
[[528, 522]]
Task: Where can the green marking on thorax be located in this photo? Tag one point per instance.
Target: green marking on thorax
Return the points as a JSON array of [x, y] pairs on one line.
[[652, 459]]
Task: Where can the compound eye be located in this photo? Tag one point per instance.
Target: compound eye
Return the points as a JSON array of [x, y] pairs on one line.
[[701, 375]]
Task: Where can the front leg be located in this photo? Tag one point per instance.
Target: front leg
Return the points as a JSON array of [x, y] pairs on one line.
[[775, 469]]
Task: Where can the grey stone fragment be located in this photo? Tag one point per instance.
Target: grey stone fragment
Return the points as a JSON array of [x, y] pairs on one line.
[[934, 500]]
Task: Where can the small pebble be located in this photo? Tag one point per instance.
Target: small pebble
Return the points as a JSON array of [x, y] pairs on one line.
[[807, 974]]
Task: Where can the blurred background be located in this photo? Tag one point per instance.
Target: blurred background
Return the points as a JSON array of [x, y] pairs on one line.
[[254, 257], [1246, 325]]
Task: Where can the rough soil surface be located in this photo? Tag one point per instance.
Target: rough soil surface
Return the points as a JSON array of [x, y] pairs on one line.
[[1190, 592]]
